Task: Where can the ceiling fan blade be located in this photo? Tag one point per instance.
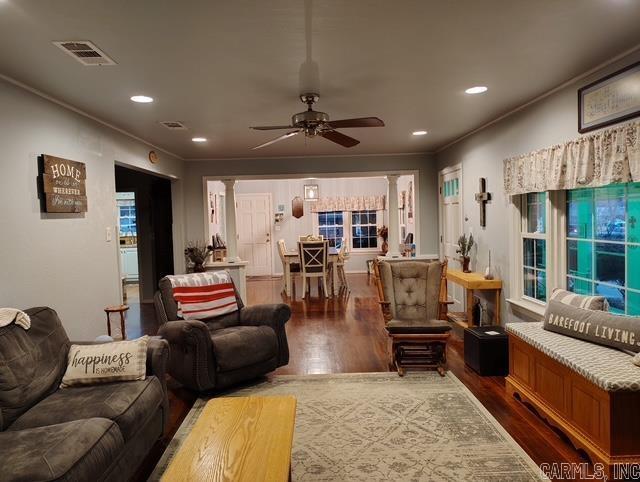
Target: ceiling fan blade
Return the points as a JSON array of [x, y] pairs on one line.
[[339, 138], [270, 128], [278, 139], [359, 122]]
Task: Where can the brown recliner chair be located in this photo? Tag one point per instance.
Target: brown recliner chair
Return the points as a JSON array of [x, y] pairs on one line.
[[218, 352], [413, 299]]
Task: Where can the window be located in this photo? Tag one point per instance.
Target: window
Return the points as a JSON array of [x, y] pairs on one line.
[[331, 226], [364, 229], [534, 246], [603, 244], [127, 212], [359, 229]]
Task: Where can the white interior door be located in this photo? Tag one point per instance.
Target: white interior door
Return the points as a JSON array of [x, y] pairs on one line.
[[253, 214], [450, 180]]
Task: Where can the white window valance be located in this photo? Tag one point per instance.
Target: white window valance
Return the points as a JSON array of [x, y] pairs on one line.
[[610, 156], [349, 203]]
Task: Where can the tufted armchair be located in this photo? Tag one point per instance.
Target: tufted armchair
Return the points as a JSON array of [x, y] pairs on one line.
[[413, 300], [215, 353]]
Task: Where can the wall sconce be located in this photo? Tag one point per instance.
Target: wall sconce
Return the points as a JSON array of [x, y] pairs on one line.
[[310, 192]]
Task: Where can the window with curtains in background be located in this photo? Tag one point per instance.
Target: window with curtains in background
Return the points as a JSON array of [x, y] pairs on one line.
[[534, 246], [603, 244], [364, 229], [331, 226]]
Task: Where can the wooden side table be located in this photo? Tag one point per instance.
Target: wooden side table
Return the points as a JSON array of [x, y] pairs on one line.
[[116, 309], [471, 282]]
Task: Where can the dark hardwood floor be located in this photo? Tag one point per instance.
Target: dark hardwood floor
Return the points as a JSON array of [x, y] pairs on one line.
[[345, 334]]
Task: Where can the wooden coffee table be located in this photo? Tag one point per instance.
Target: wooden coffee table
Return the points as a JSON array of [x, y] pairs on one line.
[[238, 439]]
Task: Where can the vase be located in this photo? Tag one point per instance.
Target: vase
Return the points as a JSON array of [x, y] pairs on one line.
[[465, 260], [385, 247], [198, 268]]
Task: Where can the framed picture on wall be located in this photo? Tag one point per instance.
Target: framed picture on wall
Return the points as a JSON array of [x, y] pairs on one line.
[[612, 99]]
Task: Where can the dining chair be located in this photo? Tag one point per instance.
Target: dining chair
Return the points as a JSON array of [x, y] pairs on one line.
[[289, 269], [314, 263], [343, 256]]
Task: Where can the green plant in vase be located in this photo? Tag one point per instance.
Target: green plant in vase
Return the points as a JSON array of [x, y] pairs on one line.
[[197, 254], [464, 248]]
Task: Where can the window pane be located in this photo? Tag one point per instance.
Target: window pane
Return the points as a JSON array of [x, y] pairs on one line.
[[541, 254], [610, 210], [373, 242], [580, 258], [633, 212], [536, 212], [579, 286], [356, 243], [340, 232], [322, 219], [372, 217], [633, 303], [580, 213], [339, 218], [541, 285], [633, 267], [527, 251], [610, 263], [529, 283], [355, 217], [614, 295]]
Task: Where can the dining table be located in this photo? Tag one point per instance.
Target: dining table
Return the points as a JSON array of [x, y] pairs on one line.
[[292, 256]]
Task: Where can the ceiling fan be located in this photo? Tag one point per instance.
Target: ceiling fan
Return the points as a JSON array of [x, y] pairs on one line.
[[313, 123]]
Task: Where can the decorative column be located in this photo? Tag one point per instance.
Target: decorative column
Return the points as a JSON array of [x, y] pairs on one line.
[[394, 219], [230, 219]]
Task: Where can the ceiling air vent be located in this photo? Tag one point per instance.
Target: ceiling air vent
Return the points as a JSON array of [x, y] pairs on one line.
[[85, 52], [174, 125]]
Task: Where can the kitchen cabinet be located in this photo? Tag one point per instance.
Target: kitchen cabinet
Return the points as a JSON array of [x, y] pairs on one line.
[[129, 263]]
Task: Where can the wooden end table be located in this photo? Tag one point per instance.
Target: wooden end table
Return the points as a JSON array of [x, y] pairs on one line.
[[116, 309]]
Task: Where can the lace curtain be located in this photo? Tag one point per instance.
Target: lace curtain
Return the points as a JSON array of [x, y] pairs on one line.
[[610, 156], [349, 203]]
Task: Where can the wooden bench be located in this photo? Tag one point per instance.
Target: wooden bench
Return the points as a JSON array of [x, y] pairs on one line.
[[604, 424], [240, 439]]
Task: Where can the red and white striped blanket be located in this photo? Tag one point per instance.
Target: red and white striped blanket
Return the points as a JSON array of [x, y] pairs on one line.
[[203, 295]]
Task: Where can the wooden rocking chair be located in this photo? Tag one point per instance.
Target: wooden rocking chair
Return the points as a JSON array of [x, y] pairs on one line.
[[413, 298]]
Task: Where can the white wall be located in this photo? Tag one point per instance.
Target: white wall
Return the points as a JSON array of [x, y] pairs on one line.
[[284, 190], [552, 120], [426, 181], [63, 260]]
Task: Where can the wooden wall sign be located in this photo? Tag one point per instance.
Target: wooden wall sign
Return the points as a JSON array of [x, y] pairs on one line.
[[297, 207], [63, 184]]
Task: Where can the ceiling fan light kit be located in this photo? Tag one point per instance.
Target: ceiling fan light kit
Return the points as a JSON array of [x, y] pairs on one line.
[[314, 123]]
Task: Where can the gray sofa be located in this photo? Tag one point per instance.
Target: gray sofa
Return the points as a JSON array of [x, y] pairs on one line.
[[216, 353], [98, 432]]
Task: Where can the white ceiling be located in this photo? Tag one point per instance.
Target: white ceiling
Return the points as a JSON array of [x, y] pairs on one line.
[[221, 66]]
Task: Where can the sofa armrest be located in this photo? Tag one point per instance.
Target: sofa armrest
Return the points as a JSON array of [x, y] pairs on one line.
[[157, 360], [192, 360], [274, 315]]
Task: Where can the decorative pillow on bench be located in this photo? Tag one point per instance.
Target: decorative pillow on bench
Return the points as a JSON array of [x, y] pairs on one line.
[[106, 362], [598, 303], [601, 327]]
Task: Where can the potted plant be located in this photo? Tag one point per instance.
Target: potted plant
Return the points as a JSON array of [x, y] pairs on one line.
[[383, 232], [464, 248], [197, 254]]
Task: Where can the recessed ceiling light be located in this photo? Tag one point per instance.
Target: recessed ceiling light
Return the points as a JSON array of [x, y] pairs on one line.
[[478, 89], [199, 139], [142, 99], [419, 133]]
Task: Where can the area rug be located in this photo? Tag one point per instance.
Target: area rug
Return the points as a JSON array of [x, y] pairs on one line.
[[380, 427]]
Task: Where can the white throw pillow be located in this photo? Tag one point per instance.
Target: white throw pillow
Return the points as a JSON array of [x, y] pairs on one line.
[[106, 362]]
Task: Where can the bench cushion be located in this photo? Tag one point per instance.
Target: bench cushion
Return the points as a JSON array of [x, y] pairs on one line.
[[610, 369], [79, 450]]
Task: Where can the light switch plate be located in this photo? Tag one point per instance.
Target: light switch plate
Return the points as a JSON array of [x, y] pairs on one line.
[[109, 234]]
